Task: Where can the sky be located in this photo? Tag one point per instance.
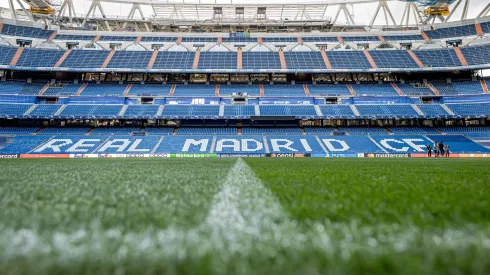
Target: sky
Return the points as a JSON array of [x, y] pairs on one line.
[[362, 13]]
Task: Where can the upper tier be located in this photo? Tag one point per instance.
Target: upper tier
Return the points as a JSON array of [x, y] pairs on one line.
[[313, 61]]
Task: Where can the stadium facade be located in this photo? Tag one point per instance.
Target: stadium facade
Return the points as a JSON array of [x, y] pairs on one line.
[[69, 91]]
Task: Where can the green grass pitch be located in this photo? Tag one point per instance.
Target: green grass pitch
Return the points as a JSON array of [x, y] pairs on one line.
[[245, 216]]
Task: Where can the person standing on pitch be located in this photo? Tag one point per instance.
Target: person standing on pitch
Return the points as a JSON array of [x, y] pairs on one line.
[[441, 149], [429, 151], [436, 149], [446, 149]]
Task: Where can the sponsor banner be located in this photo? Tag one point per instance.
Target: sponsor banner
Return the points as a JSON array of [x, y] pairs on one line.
[[289, 155], [319, 155], [45, 156], [388, 155], [342, 156], [10, 156], [158, 155], [192, 155], [240, 155]]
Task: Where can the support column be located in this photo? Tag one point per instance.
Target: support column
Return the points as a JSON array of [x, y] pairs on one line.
[[138, 39], [196, 59], [325, 59], [152, 59], [370, 59], [239, 62], [424, 35], [53, 36], [172, 90], [18, 53], [436, 92], [216, 91], [108, 59], [478, 28], [261, 86], [128, 88], [415, 58], [81, 89], [307, 91], [283, 60], [484, 86], [62, 58], [44, 89], [351, 90], [461, 57]]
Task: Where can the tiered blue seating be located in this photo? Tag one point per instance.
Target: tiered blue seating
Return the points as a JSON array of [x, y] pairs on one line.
[[334, 110], [460, 144], [409, 130], [412, 90], [319, 39], [452, 32], [239, 88], [393, 59], [191, 110], [175, 144], [6, 54], [32, 57], [22, 144], [110, 131], [187, 131], [14, 30], [60, 145], [199, 39], [271, 131], [284, 90], [360, 38], [141, 111], [363, 130], [44, 110], [17, 130], [160, 130], [294, 144], [260, 60], [459, 88], [64, 131], [348, 60], [158, 39], [74, 37], [279, 39], [195, 90], [374, 89], [217, 60], [432, 110], [135, 145], [325, 131], [130, 59], [476, 55], [287, 110], [239, 40], [150, 90], [94, 89], [403, 144], [13, 110], [117, 38], [478, 109], [304, 60], [239, 110], [395, 110], [63, 90], [465, 130], [403, 37], [485, 26], [174, 60], [91, 111], [438, 58], [329, 90], [20, 88], [85, 59], [355, 144]]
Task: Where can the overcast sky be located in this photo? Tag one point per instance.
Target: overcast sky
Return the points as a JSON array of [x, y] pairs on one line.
[[363, 13]]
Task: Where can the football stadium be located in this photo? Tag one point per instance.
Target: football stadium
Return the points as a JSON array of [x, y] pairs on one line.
[[240, 137]]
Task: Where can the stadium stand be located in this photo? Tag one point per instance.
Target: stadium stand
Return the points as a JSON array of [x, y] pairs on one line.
[[239, 111], [217, 60], [191, 110], [91, 111], [137, 59], [141, 111], [207, 131], [304, 60], [374, 89], [361, 130], [239, 88], [174, 60], [432, 110], [478, 109], [260, 60], [284, 90], [395, 110], [329, 90], [438, 58], [64, 131], [85, 59], [23, 31], [271, 131], [17, 130], [150, 90], [195, 90], [332, 110], [287, 110], [393, 59], [32, 57], [94, 89], [44, 110]]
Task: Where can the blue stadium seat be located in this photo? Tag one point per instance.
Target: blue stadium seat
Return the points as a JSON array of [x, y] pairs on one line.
[[111, 131], [438, 58], [141, 111], [335, 110], [294, 144], [402, 38], [177, 144], [363, 130], [452, 32], [188, 131], [91, 111], [20, 88], [366, 38], [304, 60], [349, 144], [64, 131], [217, 60], [158, 39], [94, 89], [22, 144], [374, 90], [433, 110], [459, 88], [403, 144], [239, 110], [271, 131], [325, 131], [465, 130], [130, 59], [260, 60], [409, 130], [393, 59], [6, 54], [478, 109], [388, 111], [150, 90], [414, 90], [174, 60], [320, 39], [74, 37], [63, 89], [160, 130], [32, 57], [128, 145], [13, 110], [348, 60], [195, 90], [287, 110], [17, 130], [476, 55], [460, 144], [85, 59], [329, 90], [239, 88], [21, 31], [44, 110], [284, 90], [191, 111], [116, 38]]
